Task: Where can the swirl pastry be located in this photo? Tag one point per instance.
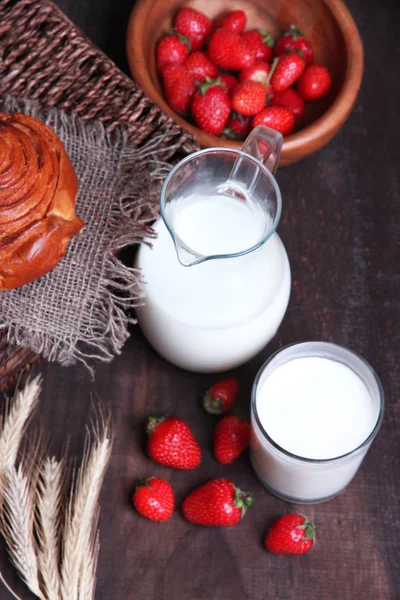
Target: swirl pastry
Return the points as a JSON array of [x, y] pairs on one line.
[[38, 187]]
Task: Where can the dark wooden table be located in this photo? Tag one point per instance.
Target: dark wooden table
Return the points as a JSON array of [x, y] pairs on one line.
[[341, 227]]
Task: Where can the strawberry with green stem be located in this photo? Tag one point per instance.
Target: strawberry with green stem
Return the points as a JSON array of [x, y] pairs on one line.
[[287, 71], [211, 107], [221, 396], [200, 66], [172, 443], [229, 51], [172, 49], [237, 127], [291, 534], [293, 40], [194, 25], [217, 503], [261, 42]]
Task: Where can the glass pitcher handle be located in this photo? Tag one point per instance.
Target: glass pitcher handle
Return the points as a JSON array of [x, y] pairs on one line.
[[265, 144]]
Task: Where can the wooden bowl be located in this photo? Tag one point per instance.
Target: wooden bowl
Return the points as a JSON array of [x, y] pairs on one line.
[[326, 23]]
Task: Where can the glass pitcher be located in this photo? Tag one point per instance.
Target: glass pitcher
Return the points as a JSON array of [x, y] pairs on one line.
[[217, 276]]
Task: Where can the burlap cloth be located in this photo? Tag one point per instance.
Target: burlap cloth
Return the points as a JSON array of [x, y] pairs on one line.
[[79, 311]]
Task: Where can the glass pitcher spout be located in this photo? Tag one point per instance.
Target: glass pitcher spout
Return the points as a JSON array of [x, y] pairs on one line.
[[221, 203], [186, 256]]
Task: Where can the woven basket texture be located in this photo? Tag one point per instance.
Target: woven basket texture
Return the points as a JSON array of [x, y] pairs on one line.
[[44, 57]]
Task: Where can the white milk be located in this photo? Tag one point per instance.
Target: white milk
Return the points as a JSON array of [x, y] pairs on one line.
[[314, 408], [215, 315]]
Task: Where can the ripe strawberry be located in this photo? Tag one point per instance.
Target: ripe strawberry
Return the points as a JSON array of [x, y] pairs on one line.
[[211, 107], [154, 499], [221, 396], [248, 98], [287, 71], [171, 49], [194, 25], [229, 51], [229, 82], [231, 437], [291, 534], [216, 503], [257, 72], [237, 127], [289, 99], [315, 82], [261, 42], [276, 117], [293, 40], [200, 66], [179, 87], [172, 443], [234, 21]]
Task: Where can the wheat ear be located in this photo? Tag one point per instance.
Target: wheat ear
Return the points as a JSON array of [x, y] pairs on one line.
[[17, 524], [48, 524], [15, 420], [82, 508], [88, 573]]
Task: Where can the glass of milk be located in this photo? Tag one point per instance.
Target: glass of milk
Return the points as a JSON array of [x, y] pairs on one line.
[[217, 276], [315, 409]]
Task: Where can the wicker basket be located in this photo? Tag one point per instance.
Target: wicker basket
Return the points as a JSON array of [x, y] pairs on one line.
[[43, 56]]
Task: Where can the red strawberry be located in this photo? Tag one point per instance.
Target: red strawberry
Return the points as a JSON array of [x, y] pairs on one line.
[[211, 107], [289, 99], [154, 499], [291, 534], [229, 51], [261, 42], [248, 98], [287, 71], [179, 86], [172, 443], [234, 21], [276, 117], [172, 49], [231, 437], [257, 72], [200, 66], [293, 40], [237, 127], [315, 82], [221, 396], [194, 25], [229, 82], [216, 503]]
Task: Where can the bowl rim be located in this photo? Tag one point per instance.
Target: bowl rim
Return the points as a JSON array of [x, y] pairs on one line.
[[324, 127]]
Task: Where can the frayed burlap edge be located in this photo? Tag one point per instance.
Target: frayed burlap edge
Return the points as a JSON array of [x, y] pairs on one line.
[[120, 287]]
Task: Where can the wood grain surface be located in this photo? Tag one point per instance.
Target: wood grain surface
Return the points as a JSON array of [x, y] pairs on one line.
[[341, 228]]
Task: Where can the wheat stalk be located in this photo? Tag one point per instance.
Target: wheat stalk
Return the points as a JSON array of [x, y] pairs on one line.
[[48, 524], [35, 489], [14, 422], [82, 509], [17, 524], [88, 573]]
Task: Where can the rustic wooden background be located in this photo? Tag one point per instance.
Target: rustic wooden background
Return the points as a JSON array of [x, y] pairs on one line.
[[341, 227]]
